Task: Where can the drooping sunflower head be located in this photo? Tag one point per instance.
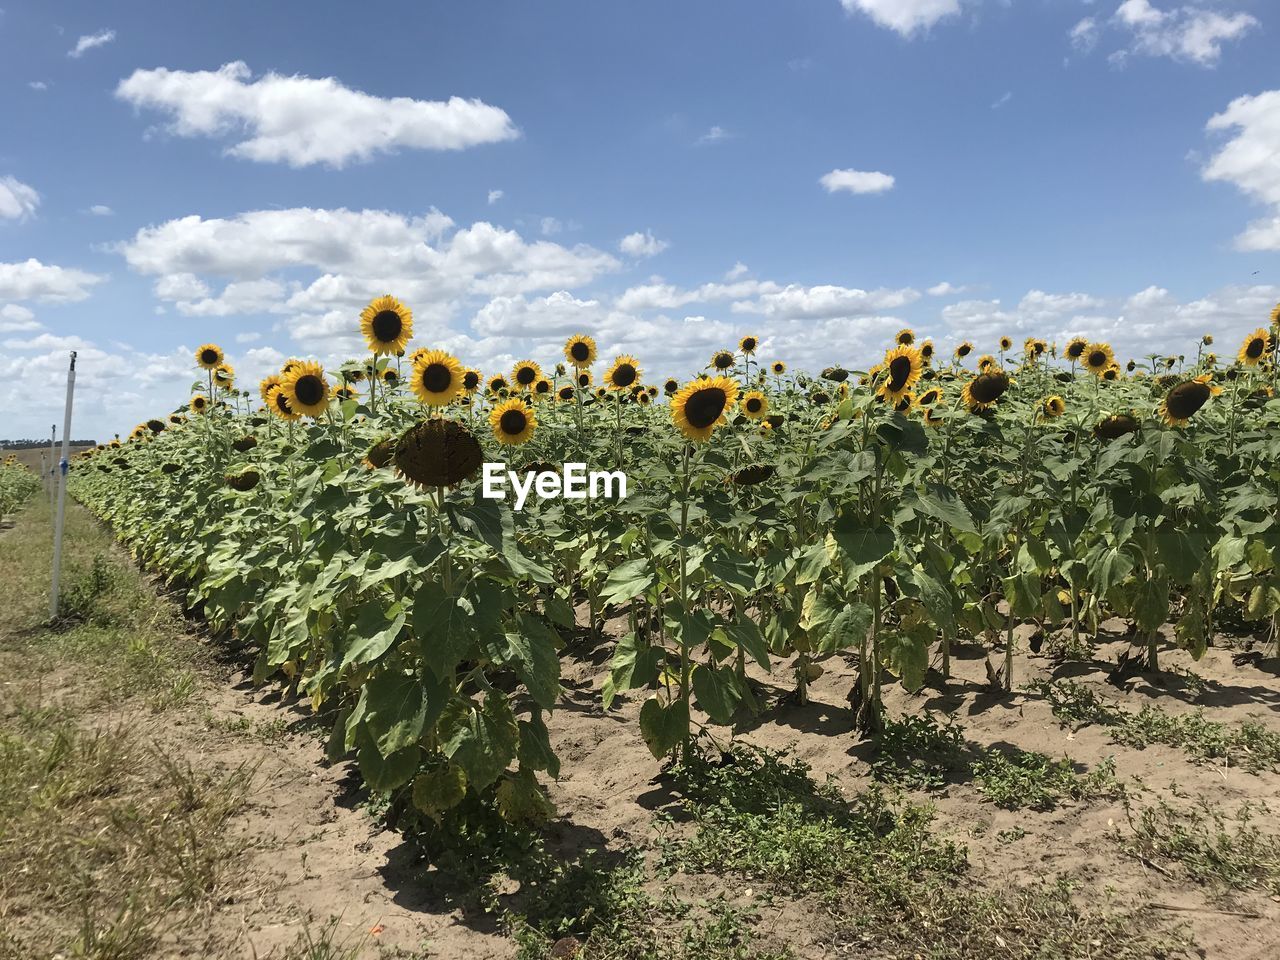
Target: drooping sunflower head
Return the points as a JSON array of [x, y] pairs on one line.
[[625, 373], [278, 404], [931, 419], [702, 404], [580, 350], [778, 368], [906, 336], [199, 403], [306, 389], [525, 374], [1207, 340], [984, 390], [513, 421], [380, 453], [899, 372], [437, 378], [470, 381], [964, 350], [155, 426], [244, 481], [722, 360], [387, 325], [1115, 426], [1097, 357], [930, 397], [755, 404], [748, 345], [209, 356], [1053, 407], [437, 453], [1112, 373], [1186, 399], [345, 392], [245, 444], [835, 374], [1255, 347]]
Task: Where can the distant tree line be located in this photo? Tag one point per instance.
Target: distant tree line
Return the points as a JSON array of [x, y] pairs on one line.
[[29, 444]]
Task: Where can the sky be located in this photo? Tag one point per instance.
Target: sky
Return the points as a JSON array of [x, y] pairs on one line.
[[667, 176]]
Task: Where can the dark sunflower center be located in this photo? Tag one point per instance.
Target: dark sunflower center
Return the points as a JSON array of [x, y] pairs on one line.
[[705, 406], [209, 356], [749, 344], [988, 387], [470, 381], [498, 384], [580, 351], [390, 376], [964, 350], [513, 422], [1186, 398], [282, 404], [387, 326], [929, 398], [1097, 358], [1075, 351], [542, 386], [199, 403], [437, 378], [309, 389], [624, 375], [584, 380], [566, 393], [899, 371], [723, 361], [1254, 350], [753, 405], [526, 376]]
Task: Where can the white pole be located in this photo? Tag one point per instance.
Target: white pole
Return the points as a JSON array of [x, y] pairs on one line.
[[63, 467], [51, 478]]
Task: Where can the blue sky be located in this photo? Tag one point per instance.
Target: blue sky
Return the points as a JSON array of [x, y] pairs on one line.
[[816, 172]]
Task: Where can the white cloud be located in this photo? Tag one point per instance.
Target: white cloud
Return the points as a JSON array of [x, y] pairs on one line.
[[245, 297], [38, 85], [642, 244], [714, 135], [180, 286], [824, 302], [554, 315], [90, 41], [737, 271], [904, 16], [665, 296], [33, 280], [302, 120], [550, 226], [15, 318], [100, 210], [944, 289], [17, 200], [1251, 161], [1189, 33], [856, 181], [1003, 99], [250, 337], [494, 196]]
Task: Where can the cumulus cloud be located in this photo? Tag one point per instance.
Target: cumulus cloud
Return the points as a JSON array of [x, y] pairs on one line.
[[714, 135], [494, 196], [47, 283], [38, 85], [91, 41], [100, 210], [856, 181], [17, 200], [1251, 161], [303, 120], [1190, 33], [15, 318], [642, 244], [824, 302], [904, 16], [944, 289]]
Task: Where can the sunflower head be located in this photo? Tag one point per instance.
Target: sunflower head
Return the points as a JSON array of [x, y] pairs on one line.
[[1111, 373], [984, 390], [209, 357], [470, 381], [497, 384], [930, 397], [625, 373], [583, 379], [926, 351], [756, 473], [265, 385], [278, 404], [722, 360], [702, 404], [387, 325], [199, 403], [580, 350], [1053, 407], [1207, 340], [906, 336], [644, 398], [748, 345], [835, 374], [1255, 347], [1006, 343], [1076, 348], [345, 392], [986, 363], [778, 368], [224, 375], [380, 453], [755, 404], [565, 392], [390, 377], [542, 388], [513, 421], [1097, 357], [964, 350], [306, 389], [899, 371], [525, 374], [437, 378], [1184, 400], [1115, 426], [436, 453], [243, 481]]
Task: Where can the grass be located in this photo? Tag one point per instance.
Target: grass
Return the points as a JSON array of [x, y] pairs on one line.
[[1248, 745], [1032, 780]]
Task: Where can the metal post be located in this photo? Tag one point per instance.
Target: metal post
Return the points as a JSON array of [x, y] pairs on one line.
[[63, 466], [51, 478]]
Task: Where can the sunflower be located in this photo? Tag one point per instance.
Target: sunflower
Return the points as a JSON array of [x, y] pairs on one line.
[[602, 392], [755, 405], [700, 406], [224, 376], [964, 350], [1097, 357], [290, 365], [1182, 402], [778, 368], [984, 390], [931, 419], [306, 389], [930, 397], [1256, 346], [155, 426], [1006, 343], [244, 481], [1111, 373], [580, 350], [905, 338], [265, 385], [497, 384], [926, 352], [1034, 347], [1115, 426], [390, 376], [199, 403], [625, 372], [1207, 339], [245, 443], [437, 378], [986, 363], [470, 381], [437, 453], [345, 392], [748, 345], [565, 392], [721, 360], [835, 374], [542, 388], [901, 368], [387, 325], [643, 398], [525, 374], [756, 473], [905, 402], [278, 403], [513, 421], [1131, 366], [209, 357], [175, 419], [1053, 407], [1076, 348], [380, 453]]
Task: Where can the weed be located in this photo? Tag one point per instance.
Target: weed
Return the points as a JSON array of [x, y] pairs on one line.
[[1022, 779], [918, 752]]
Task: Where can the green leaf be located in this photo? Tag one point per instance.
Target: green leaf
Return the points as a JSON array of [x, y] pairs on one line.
[[438, 790], [1151, 604], [746, 634], [535, 750], [864, 546], [627, 581], [482, 740], [732, 571], [716, 691], [944, 504], [847, 629], [399, 706], [383, 774], [443, 627], [664, 727], [907, 653], [372, 632]]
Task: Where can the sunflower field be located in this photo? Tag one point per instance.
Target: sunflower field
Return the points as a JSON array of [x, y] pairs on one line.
[[17, 484], [332, 521]]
